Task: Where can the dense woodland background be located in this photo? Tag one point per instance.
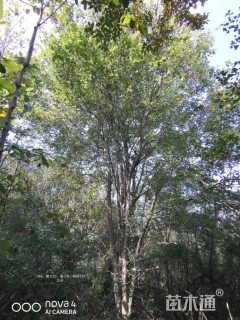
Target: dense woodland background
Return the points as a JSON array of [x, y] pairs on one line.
[[119, 151]]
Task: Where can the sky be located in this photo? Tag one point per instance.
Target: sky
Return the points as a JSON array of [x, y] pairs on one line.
[[217, 10]]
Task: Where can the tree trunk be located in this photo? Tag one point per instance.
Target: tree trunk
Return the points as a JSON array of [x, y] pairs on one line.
[[8, 118]]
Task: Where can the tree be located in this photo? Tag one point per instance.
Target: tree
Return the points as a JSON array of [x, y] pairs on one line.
[[123, 170], [132, 14], [128, 125]]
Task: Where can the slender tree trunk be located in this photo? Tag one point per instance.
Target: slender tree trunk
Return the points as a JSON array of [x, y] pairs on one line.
[[122, 194], [123, 291], [8, 118], [115, 272]]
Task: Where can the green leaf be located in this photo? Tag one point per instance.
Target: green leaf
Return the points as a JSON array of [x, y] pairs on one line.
[[116, 3], [2, 68], [6, 84], [37, 150], [1, 9], [125, 3], [1, 123], [63, 231], [2, 188], [128, 20], [44, 161], [143, 29], [36, 10], [132, 24], [52, 216], [3, 112], [4, 245], [12, 66]]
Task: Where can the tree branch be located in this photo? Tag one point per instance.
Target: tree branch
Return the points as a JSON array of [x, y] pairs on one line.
[[28, 4], [54, 11]]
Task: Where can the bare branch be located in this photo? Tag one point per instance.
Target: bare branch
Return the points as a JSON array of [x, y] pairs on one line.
[[54, 11], [28, 4]]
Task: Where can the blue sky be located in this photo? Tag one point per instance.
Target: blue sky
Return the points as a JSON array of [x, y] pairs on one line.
[[217, 10]]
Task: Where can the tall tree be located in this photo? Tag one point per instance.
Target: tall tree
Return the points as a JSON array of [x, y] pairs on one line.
[[130, 122]]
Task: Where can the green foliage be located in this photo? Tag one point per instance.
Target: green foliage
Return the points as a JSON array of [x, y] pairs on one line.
[[143, 29], [136, 15], [7, 85], [62, 231], [2, 68], [149, 121], [3, 112], [4, 245], [1, 9], [233, 25], [228, 96], [7, 67], [11, 66], [128, 20]]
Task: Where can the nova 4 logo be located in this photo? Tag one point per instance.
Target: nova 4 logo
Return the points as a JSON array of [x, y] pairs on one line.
[[51, 307]]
